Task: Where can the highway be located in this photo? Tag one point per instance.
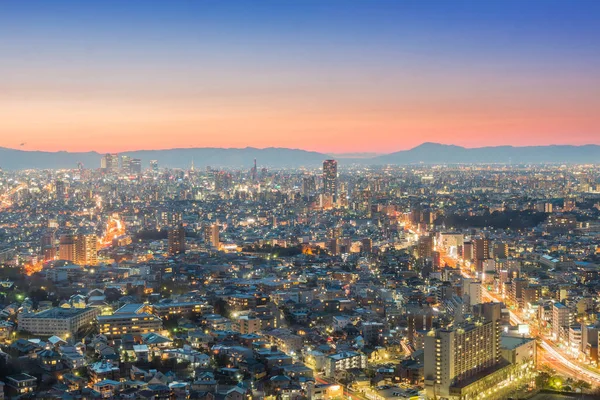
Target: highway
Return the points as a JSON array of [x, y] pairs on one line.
[[551, 355]]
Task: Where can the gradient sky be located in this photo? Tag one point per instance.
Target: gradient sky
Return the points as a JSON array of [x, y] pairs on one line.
[[325, 75]]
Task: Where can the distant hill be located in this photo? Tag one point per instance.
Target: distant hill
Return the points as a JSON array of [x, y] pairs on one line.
[[11, 159], [428, 153]]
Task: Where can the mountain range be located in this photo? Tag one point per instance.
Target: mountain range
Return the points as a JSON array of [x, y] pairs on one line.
[[426, 153]]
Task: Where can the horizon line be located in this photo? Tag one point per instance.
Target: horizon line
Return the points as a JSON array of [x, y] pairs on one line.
[[350, 154]]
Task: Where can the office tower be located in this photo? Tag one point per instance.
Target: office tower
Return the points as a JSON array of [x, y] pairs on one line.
[[425, 247], [86, 249], [67, 247], [330, 177], [154, 166], [211, 235], [136, 166], [125, 164], [461, 353], [254, 172], [110, 162], [176, 238], [61, 190]]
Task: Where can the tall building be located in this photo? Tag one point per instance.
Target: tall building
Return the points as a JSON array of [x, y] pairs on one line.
[[136, 166], [177, 240], [110, 162], [126, 164], [154, 166], [254, 172], [425, 247], [500, 250], [48, 246], [481, 252], [67, 249], [86, 249], [562, 317], [472, 292], [211, 235], [461, 353], [61, 190], [79, 249], [330, 178]]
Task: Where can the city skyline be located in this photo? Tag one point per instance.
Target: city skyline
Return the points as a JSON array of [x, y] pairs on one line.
[[363, 77]]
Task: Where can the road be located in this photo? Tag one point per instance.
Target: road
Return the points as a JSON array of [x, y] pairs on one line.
[[552, 356], [5, 198]]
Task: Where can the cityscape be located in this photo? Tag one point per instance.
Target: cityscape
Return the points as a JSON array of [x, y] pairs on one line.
[[426, 281], [300, 200]]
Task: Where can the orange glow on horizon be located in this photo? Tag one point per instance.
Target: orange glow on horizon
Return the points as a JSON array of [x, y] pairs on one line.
[[324, 126]]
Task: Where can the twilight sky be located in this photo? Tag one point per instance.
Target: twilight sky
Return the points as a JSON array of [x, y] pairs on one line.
[[325, 75]]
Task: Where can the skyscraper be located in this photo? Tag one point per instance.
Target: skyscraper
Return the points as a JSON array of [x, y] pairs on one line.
[[154, 166], [211, 235], [136, 166], [125, 164], [61, 190], [177, 240], [110, 162], [330, 177]]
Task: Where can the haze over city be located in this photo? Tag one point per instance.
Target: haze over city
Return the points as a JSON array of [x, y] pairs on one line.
[[329, 76]]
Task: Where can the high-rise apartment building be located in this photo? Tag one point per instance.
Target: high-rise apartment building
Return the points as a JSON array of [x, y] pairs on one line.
[[562, 317], [86, 249], [211, 235], [67, 247], [176, 238], [500, 250], [462, 352], [79, 249], [425, 247], [330, 178], [481, 252]]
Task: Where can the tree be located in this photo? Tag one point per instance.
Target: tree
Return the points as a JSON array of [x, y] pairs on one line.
[[542, 379]]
